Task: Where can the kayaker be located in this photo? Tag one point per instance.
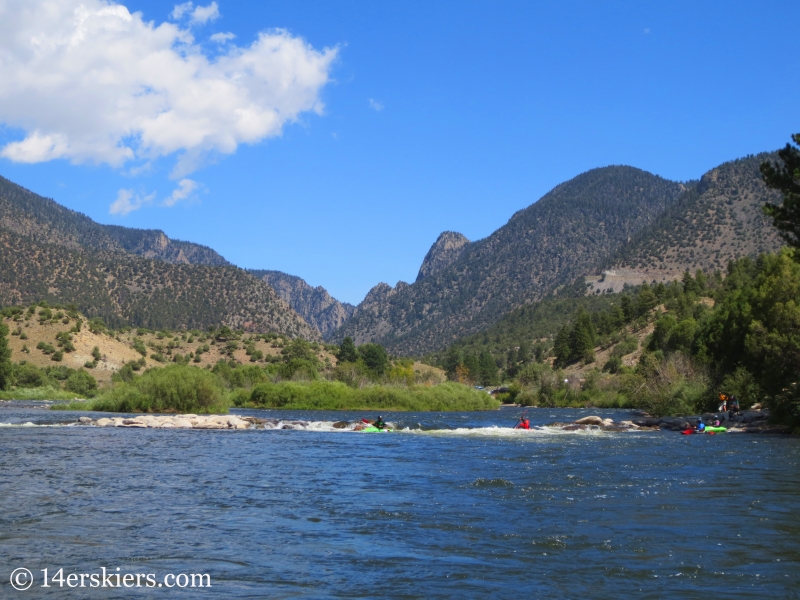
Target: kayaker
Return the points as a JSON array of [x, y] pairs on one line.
[[523, 423], [700, 427], [379, 422]]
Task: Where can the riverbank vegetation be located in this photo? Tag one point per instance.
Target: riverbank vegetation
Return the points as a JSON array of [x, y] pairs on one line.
[[668, 348], [364, 378]]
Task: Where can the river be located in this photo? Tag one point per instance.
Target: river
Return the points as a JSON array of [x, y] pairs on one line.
[[454, 506]]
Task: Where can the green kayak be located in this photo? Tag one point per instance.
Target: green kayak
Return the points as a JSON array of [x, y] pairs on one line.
[[716, 429], [374, 430]]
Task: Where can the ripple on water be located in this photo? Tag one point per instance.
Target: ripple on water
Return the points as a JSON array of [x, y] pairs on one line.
[[439, 511]]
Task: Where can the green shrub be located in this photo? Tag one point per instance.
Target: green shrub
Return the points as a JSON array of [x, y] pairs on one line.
[[81, 383], [335, 395], [742, 384], [613, 365], [29, 376], [627, 346], [176, 388], [298, 368]]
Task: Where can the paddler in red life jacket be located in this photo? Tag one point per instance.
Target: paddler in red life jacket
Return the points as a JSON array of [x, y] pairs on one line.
[[523, 423]]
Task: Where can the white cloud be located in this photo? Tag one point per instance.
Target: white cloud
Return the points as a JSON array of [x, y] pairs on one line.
[[204, 14], [183, 191], [88, 81], [221, 38], [200, 14], [127, 201], [181, 9], [375, 105]]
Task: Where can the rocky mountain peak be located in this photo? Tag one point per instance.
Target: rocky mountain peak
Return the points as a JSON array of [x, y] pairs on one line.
[[444, 252]]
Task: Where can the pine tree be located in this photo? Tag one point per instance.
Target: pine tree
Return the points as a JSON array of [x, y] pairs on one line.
[[646, 300], [582, 339], [488, 369], [452, 360], [5, 358], [690, 283], [786, 179], [348, 353], [561, 348], [627, 308]]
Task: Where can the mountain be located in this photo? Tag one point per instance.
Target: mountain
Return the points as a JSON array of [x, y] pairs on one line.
[[43, 220], [127, 276], [567, 233], [716, 220], [314, 304], [444, 252]]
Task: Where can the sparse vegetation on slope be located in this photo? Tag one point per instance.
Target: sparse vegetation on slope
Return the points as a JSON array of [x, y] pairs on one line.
[[716, 220], [567, 233], [125, 289]]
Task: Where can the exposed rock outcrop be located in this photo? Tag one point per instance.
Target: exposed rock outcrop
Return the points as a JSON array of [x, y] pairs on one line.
[[314, 304], [444, 252]]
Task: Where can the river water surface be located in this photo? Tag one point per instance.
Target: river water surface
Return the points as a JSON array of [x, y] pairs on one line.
[[456, 506]]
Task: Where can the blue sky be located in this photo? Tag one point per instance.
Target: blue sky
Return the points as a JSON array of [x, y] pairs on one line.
[[421, 117]]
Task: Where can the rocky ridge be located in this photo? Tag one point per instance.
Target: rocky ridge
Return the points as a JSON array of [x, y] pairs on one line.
[[314, 304], [566, 234], [444, 252]]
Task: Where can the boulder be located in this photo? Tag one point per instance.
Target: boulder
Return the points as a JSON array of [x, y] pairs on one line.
[[237, 423], [182, 423], [104, 422], [341, 425], [209, 425], [85, 420], [608, 422], [589, 421], [750, 416]]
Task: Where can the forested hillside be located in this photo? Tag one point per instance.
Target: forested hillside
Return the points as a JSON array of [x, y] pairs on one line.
[[567, 233], [314, 304], [127, 276], [715, 221], [127, 289], [45, 221]]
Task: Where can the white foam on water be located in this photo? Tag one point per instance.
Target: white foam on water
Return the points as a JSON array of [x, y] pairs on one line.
[[326, 426], [508, 432], [30, 424]]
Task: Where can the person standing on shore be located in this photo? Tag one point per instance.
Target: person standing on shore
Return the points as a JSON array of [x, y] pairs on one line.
[[723, 403]]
